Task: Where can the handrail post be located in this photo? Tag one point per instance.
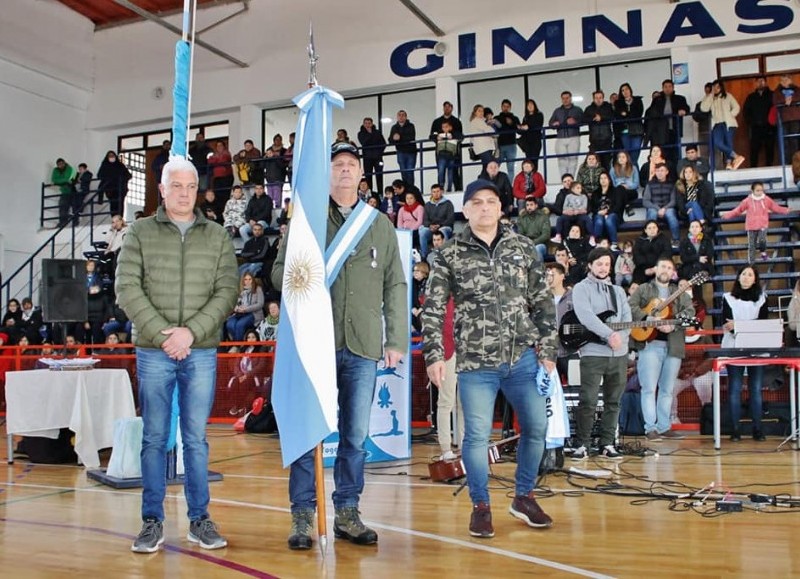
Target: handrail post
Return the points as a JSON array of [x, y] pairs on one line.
[[781, 146], [41, 206]]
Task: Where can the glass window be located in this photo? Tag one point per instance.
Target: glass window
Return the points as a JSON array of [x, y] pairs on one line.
[[217, 131], [782, 62], [156, 139], [131, 143], [739, 67], [421, 108], [282, 120], [352, 116], [644, 77]]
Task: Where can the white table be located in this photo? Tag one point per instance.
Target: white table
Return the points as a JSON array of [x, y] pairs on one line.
[[88, 402]]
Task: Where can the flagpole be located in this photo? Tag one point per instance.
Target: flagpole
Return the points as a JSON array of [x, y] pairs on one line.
[[319, 472]]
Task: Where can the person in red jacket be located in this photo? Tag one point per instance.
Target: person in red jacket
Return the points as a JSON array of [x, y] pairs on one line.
[[528, 182]]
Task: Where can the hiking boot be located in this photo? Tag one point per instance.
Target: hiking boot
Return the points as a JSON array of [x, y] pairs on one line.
[[150, 538], [480, 523], [204, 533], [347, 525], [579, 453], [653, 436], [527, 509], [610, 452], [673, 435], [302, 523]]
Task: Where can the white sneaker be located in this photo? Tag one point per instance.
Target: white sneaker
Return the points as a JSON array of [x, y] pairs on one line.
[[449, 455], [579, 453], [592, 241], [556, 239]]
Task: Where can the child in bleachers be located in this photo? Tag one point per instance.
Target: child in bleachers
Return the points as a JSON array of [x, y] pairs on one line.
[[575, 212], [757, 208], [623, 268]]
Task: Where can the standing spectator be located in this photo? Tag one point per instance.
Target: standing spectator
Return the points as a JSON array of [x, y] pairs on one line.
[[373, 144], [114, 238], [723, 108], [697, 253], [786, 97], [288, 158], [220, 164], [756, 114], [629, 108], [343, 137], [663, 126], [531, 131], [574, 210], [402, 135], [703, 121], [756, 208], [625, 174], [482, 136], [647, 249], [457, 134], [114, 177], [589, 174], [567, 120], [212, 207], [259, 210], [606, 205], [660, 202], [439, 215], [528, 182], [694, 197], [12, 320], [598, 116], [157, 165], [275, 170], [249, 309], [693, 158], [199, 153], [63, 176], [233, 215], [493, 173], [446, 155], [534, 223], [250, 165], [84, 185], [507, 136], [99, 310], [177, 307], [746, 301], [793, 312]]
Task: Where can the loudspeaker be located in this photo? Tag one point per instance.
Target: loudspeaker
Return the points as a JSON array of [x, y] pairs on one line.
[[64, 294]]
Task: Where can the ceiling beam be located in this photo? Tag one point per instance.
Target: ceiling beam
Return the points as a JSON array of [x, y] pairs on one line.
[[161, 22], [415, 10]]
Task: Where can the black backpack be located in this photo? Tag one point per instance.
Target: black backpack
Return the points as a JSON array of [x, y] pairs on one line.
[[262, 423]]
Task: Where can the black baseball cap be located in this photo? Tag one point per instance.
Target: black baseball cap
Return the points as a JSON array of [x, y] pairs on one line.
[[480, 185], [344, 147]]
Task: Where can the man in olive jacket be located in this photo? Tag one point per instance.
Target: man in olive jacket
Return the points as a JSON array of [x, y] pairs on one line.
[[177, 281], [534, 223], [369, 290]]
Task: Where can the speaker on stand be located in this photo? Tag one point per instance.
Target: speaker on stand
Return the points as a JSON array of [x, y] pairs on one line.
[[63, 295]]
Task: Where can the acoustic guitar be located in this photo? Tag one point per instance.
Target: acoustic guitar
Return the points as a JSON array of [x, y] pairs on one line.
[[658, 308], [573, 334]]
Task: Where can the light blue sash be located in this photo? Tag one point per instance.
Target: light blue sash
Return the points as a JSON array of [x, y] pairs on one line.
[[348, 236]]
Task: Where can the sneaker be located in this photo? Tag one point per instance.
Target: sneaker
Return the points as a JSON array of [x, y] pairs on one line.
[[610, 452], [527, 509], [630, 212], [764, 255], [653, 436], [592, 241], [204, 533], [556, 239], [449, 455], [302, 523], [614, 247], [480, 523], [579, 453], [150, 538], [737, 162], [673, 435], [347, 525], [736, 436], [675, 244], [759, 436]]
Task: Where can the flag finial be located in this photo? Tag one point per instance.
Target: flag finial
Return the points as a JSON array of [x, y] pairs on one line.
[[312, 57]]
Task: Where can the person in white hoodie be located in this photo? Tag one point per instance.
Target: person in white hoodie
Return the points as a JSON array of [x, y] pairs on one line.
[[605, 360]]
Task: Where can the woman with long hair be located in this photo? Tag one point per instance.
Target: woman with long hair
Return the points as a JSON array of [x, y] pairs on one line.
[[114, 177], [484, 137], [647, 249], [654, 159], [697, 253], [746, 301], [629, 108], [249, 310], [723, 108], [625, 174], [531, 131], [695, 197], [606, 205]]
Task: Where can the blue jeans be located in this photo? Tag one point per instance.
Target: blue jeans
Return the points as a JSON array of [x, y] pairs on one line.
[[426, 235], [608, 223], [694, 211], [671, 218], [407, 162], [196, 378], [633, 145], [237, 325], [565, 222], [541, 249], [656, 368], [755, 379], [722, 138], [508, 153], [446, 168], [117, 326], [478, 390], [254, 267], [355, 378], [246, 232]]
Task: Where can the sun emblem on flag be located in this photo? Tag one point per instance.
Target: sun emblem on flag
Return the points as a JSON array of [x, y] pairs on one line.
[[303, 274]]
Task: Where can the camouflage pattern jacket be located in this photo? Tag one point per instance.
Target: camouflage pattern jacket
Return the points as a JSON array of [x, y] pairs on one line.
[[502, 304]]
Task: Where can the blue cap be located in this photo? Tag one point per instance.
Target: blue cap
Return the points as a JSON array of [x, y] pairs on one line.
[[480, 185]]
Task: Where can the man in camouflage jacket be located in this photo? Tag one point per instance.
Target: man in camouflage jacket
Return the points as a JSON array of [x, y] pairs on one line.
[[503, 314]]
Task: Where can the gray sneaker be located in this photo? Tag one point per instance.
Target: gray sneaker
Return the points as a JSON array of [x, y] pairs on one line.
[[150, 538], [347, 525], [204, 533], [302, 523]]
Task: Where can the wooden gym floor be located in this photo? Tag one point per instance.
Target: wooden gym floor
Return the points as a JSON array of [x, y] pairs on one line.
[[54, 522]]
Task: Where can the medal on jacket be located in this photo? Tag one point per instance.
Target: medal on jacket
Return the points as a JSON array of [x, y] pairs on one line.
[[373, 251]]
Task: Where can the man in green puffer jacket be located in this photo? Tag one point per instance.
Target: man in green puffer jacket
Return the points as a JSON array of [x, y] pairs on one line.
[[177, 281], [64, 176], [534, 223]]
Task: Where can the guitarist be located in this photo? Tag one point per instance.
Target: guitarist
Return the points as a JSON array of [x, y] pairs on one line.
[[607, 361], [660, 358]]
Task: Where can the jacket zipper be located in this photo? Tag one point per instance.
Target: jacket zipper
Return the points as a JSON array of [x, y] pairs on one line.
[[180, 302]]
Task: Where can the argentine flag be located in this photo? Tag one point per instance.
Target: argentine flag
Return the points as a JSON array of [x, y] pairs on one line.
[[304, 393]]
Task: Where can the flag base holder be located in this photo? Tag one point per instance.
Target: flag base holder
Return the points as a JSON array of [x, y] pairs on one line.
[[173, 478]]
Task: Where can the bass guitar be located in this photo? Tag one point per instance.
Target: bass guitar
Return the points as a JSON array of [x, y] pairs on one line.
[[573, 334], [658, 308]]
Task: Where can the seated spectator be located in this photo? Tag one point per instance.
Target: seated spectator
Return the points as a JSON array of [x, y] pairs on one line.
[[557, 207], [5, 357], [570, 264], [73, 347], [625, 174], [438, 215], [693, 159], [528, 182], [648, 171], [652, 245], [12, 321], [115, 235], [589, 174], [364, 192], [534, 223], [286, 211], [659, 201], [578, 248], [233, 215], [697, 252], [374, 202], [437, 241], [796, 169], [389, 203], [410, 216], [117, 322], [254, 252], [259, 210], [492, 172], [249, 375], [31, 323], [446, 154], [268, 328], [607, 204], [421, 272], [695, 197], [249, 310], [624, 266], [212, 208], [112, 342], [575, 212]]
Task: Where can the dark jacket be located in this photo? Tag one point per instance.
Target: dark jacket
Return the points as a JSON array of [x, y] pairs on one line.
[[646, 252], [275, 167], [531, 139], [614, 200], [690, 257], [705, 197], [558, 204], [113, 176], [166, 280], [658, 194], [535, 226], [504, 185], [756, 108], [85, 182], [561, 114], [634, 112], [455, 124], [408, 134], [658, 125], [259, 209], [442, 213], [600, 132], [372, 142], [507, 132], [255, 249], [199, 156]]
